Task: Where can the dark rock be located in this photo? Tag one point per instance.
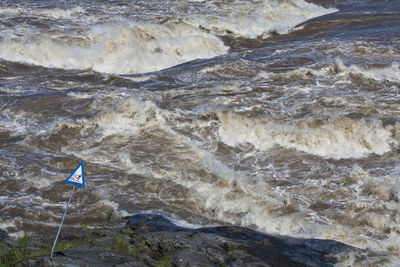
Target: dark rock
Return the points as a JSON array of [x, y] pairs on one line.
[[153, 240], [190, 257], [148, 260], [215, 253], [231, 245], [86, 256], [3, 234]]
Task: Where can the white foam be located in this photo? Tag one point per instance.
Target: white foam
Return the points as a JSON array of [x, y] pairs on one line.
[[332, 138], [122, 48], [129, 118], [213, 189], [341, 73], [58, 13], [12, 11], [14, 122], [113, 205], [258, 18], [263, 206], [55, 13], [124, 45], [4, 224], [391, 73]]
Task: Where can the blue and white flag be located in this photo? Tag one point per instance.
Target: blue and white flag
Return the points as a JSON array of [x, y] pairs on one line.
[[77, 177]]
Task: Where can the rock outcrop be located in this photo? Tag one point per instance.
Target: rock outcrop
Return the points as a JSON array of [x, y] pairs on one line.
[[153, 240]]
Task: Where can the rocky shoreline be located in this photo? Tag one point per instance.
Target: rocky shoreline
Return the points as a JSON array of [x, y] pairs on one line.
[[153, 240]]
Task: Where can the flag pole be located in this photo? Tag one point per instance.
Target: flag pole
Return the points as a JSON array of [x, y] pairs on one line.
[[59, 229]]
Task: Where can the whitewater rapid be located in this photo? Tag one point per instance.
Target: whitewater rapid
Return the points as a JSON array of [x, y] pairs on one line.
[[281, 116]]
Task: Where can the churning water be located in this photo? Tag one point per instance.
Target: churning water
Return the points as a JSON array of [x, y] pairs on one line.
[[280, 115]]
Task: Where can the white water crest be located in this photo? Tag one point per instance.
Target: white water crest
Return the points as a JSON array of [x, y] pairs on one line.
[[120, 43], [332, 138], [296, 135], [122, 48], [258, 18], [213, 189], [339, 70], [56, 13]]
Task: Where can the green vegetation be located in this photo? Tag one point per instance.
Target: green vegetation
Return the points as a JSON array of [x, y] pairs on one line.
[[232, 250], [109, 216], [123, 245], [12, 255], [143, 247], [191, 235], [165, 261], [88, 234], [16, 255], [61, 245]]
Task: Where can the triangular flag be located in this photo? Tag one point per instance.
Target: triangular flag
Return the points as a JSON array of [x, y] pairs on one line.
[[77, 177]]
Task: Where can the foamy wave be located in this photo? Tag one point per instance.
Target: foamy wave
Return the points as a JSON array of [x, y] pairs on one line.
[[58, 13], [333, 138], [122, 48], [260, 18], [339, 71], [127, 47], [55, 13], [282, 210], [124, 123], [390, 73], [128, 118], [181, 173], [12, 11]]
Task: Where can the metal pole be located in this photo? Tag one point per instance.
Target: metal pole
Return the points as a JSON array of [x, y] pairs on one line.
[[59, 229]]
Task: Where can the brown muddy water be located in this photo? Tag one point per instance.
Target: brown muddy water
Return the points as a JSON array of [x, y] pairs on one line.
[[281, 116]]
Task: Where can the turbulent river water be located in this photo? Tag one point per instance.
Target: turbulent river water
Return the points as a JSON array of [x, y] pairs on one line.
[[282, 116]]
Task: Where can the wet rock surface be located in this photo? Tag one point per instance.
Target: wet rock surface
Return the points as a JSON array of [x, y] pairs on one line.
[[87, 255], [153, 240], [230, 245]]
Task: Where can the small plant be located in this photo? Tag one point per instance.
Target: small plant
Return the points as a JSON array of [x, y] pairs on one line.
[[84, 227], [62, 245], [144, 247], [127, 231], [163, 239], [135, 252], [232, 250], [13, 256], [191, 235], [165, 261], [122, 244], [23, 242], [109, 216]]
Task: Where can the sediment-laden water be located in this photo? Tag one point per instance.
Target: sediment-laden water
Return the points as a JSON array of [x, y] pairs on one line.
[[281, 116]]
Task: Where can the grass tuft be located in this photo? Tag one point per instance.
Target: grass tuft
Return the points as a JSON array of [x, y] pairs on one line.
[[14, 255], [165, 261]]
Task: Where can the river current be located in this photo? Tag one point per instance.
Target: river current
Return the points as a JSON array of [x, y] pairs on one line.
[[282, 116]]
